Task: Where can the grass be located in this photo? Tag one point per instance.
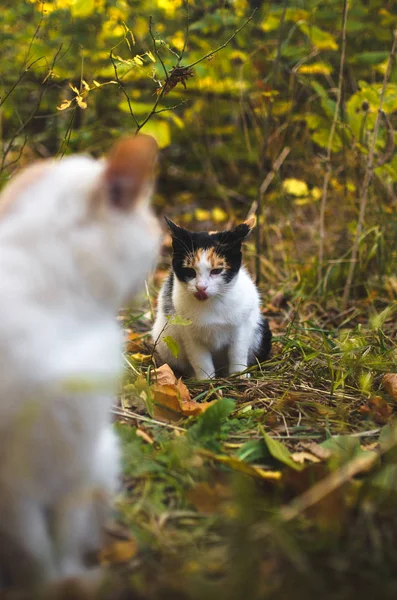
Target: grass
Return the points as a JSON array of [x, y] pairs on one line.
[[219, 506]]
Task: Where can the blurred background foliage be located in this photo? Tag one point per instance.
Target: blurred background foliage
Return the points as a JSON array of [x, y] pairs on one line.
[[78, 73]]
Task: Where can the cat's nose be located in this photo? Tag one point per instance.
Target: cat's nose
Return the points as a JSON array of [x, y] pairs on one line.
[[201, 287]]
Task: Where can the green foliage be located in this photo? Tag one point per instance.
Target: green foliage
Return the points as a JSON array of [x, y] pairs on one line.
[[208, 428]]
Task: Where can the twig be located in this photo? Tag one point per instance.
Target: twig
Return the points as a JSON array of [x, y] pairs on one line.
[[329, 147], [209, 54], [368, 177], [122, 88], [128, 414], [273, 80], [269, 178]]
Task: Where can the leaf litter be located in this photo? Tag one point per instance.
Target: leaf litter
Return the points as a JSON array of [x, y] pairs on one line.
[[302, 450]]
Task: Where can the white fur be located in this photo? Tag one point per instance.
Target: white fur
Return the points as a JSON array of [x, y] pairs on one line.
[[65, 270], [224, 327]]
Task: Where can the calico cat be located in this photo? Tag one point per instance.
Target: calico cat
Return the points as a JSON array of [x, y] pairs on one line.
[[209, 286], [77, 239]]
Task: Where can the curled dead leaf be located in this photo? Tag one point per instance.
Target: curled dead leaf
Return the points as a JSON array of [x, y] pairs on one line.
[[171, 398], [389, 382]]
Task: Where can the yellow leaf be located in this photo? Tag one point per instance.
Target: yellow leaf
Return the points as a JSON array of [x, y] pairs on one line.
[[118, 552], [138, 60], [81, 103], [160, 130], [96, 83], [72, 87], [141, 357], [295, 187], [218, 215], [317, 68], [202, 215], [85, 85], [65, 104], [150, 55]]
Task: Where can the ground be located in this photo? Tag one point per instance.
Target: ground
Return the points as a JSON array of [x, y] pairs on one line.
[[285, 486]]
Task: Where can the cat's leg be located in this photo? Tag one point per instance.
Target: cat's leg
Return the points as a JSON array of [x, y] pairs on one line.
[[239, 349], [200, 359], [26, 553]]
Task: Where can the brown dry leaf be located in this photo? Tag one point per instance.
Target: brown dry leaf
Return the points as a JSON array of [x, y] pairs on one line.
[[133, 341], [389, 382], [171, 398], [301, 457], [208, 498], [316, 450], [119, 552], [377, 409]]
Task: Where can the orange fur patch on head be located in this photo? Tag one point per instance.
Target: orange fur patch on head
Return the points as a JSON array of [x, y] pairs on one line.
[[20, 182], [192, 259], [216, 261]]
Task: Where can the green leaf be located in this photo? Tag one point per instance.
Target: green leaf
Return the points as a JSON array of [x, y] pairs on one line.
[[178, 320], [172, 345], [279, 452], [82, 8], [207, 428]]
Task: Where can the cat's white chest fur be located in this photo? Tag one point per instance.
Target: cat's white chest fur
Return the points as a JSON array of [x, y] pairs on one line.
[[226, 326]]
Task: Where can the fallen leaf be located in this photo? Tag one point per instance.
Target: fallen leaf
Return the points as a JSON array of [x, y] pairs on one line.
[[239, 465], [301, 457], [118, 552], [377, 409], [317, 450], [133, 341], [389, 382], [208, 498], [171, 398]]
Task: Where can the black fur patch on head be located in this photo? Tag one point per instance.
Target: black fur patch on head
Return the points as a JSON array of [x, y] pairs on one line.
[[226, 244]]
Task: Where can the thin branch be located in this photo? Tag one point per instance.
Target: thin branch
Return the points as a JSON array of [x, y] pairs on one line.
[[209, 54], [156, 112], [273, 81], [16, 83], [122, 88], [329, 147], [368, 177], [155, 50]]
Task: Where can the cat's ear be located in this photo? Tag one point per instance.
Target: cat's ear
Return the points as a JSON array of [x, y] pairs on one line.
[[176, 231], [130, 170], [242, 231]]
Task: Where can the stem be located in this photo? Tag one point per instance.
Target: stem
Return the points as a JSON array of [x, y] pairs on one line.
[[273, 80], [329, 148], [368, 176]]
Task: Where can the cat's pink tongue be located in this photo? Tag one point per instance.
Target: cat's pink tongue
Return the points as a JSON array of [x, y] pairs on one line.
[[200, 295]]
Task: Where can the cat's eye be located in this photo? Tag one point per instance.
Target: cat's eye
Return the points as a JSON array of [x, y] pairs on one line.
[[190, 273], [216, 271]]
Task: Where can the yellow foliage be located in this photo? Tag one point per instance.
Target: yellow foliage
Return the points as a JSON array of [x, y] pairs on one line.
[[317, 68], [178, 40], [218, 215], [201, 214], [295, 187], [169, 6]]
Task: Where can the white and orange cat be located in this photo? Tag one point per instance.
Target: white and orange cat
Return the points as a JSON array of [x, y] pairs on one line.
[[77, 239], [209, 286]]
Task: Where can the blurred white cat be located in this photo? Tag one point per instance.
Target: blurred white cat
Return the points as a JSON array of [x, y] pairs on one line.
[[77, 239]]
